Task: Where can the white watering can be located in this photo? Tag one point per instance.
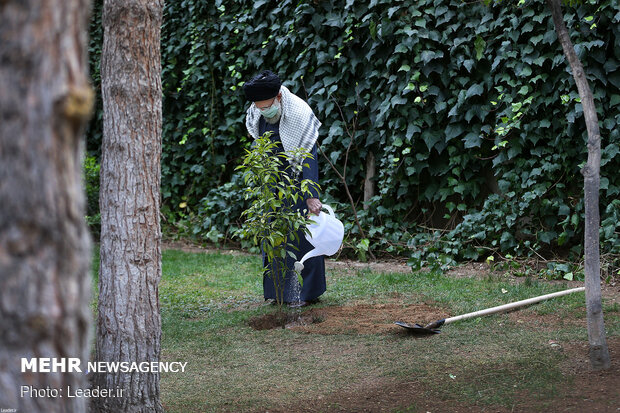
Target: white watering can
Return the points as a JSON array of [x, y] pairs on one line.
[[326, 235]]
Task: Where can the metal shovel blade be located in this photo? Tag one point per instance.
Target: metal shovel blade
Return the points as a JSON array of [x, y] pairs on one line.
[[416, 328]]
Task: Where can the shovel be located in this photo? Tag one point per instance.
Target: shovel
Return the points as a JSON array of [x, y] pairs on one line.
[[433, 328]]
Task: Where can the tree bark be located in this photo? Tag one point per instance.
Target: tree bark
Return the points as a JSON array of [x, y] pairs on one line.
[[599, 353], [369, 185], [45, 102], [129, 323]]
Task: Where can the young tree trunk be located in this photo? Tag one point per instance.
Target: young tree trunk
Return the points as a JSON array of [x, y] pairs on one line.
[[129, 323], [45, 101], [369, 185], [599, 353]]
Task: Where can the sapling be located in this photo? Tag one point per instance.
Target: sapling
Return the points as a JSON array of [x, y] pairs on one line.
[[273, 220]]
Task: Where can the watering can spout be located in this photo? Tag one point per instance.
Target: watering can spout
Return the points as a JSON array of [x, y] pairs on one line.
[[299, 265]]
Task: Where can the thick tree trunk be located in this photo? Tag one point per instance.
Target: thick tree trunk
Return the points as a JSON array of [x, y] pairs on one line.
[[129, 324], [599, 353], [45, 100], [369, 185]]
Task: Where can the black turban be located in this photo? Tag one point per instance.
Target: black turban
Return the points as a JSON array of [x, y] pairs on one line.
[[263, 86]]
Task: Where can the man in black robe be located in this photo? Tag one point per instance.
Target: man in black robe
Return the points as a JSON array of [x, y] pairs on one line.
[[293, 125]]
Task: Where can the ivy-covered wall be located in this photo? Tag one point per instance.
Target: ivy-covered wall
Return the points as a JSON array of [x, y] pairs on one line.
[[470, 111]]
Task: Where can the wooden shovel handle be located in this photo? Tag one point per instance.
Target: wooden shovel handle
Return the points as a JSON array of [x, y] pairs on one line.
[[504, 307]]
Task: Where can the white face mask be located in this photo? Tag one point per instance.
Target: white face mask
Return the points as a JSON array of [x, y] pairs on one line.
[[271, 111]]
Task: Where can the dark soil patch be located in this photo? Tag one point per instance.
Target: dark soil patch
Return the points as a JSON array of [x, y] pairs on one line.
[[282, 319], [367, 318], [351, 319]]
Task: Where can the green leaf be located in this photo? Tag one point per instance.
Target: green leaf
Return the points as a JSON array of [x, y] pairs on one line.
[[479, 45], [454, 130], [420, 23], [547, 236], [430, 138], [372, 26], [536, 39], [472, 140], [475, 90], [401, 48], [363, 245], [428, 55], [411, 129]]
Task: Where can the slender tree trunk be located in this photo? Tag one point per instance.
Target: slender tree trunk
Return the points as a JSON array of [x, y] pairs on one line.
[[45, 101], [599, 353], [129, 323], [369, 185]]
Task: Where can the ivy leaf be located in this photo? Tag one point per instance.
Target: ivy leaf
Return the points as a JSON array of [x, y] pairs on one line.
[[536, 39], [431, 138], [475, 90], [428, 55], [609, 153], [409, 88], [472, 140], [550, 37], [454, 130], [259, 3], [393, 10], [604, 183], [479, 45], [401, 48], [421, 23], [334, 156], [411, 129], [372, 26], [398, 100], [547, 236]]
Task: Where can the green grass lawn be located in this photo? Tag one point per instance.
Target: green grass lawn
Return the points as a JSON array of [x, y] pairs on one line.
[[207, 300]]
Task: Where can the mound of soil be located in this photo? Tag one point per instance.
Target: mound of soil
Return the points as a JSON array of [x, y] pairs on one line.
[[351, 319], [283, 319]]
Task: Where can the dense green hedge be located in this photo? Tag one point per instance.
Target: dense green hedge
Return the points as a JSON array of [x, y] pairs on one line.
[[470, 111]]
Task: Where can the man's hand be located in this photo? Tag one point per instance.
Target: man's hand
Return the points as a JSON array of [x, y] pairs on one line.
[[314, 205]]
